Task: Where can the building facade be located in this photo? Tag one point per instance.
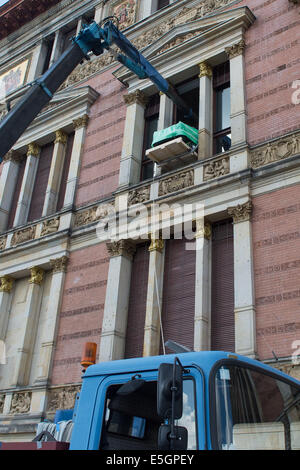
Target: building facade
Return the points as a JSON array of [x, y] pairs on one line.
[[86, 164]]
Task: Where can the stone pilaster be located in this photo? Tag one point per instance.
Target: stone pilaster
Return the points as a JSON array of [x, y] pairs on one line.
[[8, 180], [244, 296], [205, 111], [131, 158], [5, 303], [152, 330], [27, 186], [114, 324], [55, 173], [80, 125]]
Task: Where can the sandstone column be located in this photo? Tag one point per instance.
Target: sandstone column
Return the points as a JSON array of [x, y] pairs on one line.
[[5, 303], [244, 297], [8, 180], [55, 173], [131, 159], [202, 287], [24, 200], [29, 328], [205, 111], [154, 298], [80, 126], [114, 324]]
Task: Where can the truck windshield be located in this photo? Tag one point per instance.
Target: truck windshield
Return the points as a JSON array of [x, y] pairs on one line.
[[131, 421], [255, 411]]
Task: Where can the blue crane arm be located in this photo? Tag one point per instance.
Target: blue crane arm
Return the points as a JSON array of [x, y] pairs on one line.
[[92, 38]]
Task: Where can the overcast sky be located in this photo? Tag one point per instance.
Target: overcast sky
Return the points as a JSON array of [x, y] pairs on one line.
[[2, 2]]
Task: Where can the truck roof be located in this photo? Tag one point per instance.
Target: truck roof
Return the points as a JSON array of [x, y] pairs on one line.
[[203, 359]]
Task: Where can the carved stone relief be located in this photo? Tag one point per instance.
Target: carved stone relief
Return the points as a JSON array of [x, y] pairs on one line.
[[62, 398], [275, 151], [125, 11], [2, 400], [176, 182], [24, 235], [139, 196], [92, 215], [3, 243], [20, 403], [241, 213], [50, 226], [217, 168]]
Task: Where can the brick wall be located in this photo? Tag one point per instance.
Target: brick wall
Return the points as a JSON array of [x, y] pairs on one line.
[[276, 239], [82, 308]]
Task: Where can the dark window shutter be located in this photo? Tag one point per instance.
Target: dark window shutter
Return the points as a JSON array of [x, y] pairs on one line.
[[137, 303], [178, 307], [41, 181], [222, 302], [16, 194], [65, 171]]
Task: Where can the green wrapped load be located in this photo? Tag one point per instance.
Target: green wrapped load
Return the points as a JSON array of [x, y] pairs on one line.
[[188, 133]]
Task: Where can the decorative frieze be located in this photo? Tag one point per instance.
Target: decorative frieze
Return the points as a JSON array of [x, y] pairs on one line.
[[137, 97], [36, 276], [138, 196], [121, 248], [20, 403], [3, 243], [275, 151], [61, 137], [24, 235], [205, 70], [176, 182], [50, 226], [125, 12], [216, 168], [59, 265], [34, 150], [2, 400], [81, 122], [6, 284], [241, 213], [92, 215], [62, 398], [236, 49]]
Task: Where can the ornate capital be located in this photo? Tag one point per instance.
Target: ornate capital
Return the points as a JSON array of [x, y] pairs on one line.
[[61, 137], [6, 284], [59, 265], [13, 156], [157, 244], [241, 213], [203, 230], [236, 49], [205, 70], [81, 122], [121, 248], [34, 150], [36, 276], [137, 97]]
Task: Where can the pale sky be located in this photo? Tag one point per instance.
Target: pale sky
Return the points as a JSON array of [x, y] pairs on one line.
[[2, 2]]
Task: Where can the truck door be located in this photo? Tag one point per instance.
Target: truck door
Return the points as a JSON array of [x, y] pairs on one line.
[[127, 419]]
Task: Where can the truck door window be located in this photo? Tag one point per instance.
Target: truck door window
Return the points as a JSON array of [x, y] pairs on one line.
[[131, 421], [255, 411]]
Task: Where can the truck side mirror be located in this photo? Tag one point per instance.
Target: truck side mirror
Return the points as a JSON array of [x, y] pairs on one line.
[[168, 373], [180, 441]]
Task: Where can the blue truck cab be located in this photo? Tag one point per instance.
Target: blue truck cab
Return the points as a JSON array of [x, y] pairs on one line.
[[227, 402]]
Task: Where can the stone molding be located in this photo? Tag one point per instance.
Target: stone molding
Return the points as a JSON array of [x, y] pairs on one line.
[[236, 49], [137, 97], [61, 137], [50, 226], [36, 276], [205, 70], [6, 284], [20, 403], [62, 398], [176, 182], [24, 235], [121, 248], [81, 122], [138, 196], [280, 149], [33, 150], [59, 265], [216, 168], [241, 213]]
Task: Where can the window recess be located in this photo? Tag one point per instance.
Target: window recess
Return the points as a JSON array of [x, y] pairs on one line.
[[221, 105]]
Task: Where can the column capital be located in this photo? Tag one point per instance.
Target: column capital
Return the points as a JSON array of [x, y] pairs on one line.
[[82, 121], [121, 248], [13, 156], [61, 137], [36, 276], [205, 70], [6, 284], [241, 213], [33, 150], [59, 265], [137, 97], [236, 49], [203, 230], [157, 244]]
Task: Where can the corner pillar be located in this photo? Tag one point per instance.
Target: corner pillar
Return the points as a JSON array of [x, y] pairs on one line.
[[205, 111], [8, 180]]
